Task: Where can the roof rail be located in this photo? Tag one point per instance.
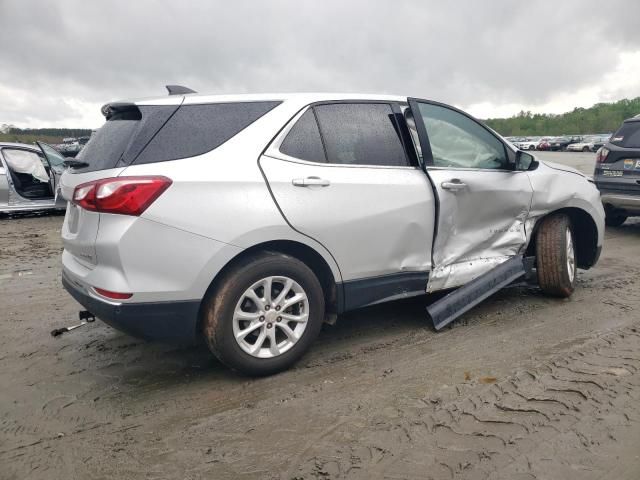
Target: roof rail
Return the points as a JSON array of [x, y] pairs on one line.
[[178, 90]]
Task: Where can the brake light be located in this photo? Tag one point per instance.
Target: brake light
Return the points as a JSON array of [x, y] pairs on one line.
[[120, 195], [602, 154], [112, 295]]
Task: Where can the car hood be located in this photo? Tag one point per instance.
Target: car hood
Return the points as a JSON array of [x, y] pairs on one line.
[[563, 168]]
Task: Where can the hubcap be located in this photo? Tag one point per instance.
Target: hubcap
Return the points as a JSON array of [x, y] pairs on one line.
[[270, 317], [571, 258]]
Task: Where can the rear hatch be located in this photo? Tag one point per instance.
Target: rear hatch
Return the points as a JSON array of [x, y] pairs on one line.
[[127, 131], [618, 161], [144, 133]]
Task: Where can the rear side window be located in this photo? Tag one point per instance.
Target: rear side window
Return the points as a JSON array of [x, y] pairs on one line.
[[155, 133], [628, 135], [360, 134], [197, 129], [303, 140]]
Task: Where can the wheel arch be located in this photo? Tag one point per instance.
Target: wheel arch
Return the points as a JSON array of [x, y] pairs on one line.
[[585, 234], [331, 287]]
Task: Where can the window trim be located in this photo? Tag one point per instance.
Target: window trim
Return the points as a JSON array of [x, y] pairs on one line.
[[273, 150], [423, 135]]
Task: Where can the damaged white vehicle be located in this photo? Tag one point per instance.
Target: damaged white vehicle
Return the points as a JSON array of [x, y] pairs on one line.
[[30, 178], [246, 221]]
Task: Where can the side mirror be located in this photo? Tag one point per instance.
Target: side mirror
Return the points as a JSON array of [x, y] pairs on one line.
[[525, 161]]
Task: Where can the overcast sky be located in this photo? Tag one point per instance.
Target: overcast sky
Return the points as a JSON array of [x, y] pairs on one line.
[[61, 60]]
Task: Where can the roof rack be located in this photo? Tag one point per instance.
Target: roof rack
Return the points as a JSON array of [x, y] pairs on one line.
[[178, 90]]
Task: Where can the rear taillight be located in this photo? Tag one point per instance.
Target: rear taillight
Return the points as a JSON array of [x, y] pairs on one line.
[[602, 154], [121, 195]]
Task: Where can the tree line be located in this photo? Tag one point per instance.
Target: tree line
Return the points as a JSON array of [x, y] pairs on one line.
[[50, 132], [601, 118]]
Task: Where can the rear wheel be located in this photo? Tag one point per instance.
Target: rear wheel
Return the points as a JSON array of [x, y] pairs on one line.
[[264, 314], [585, 149], [614, 219], [556, 259]]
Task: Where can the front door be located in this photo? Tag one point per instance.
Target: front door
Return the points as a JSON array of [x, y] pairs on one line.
[[341, 175], [56, 168], [483, 201]]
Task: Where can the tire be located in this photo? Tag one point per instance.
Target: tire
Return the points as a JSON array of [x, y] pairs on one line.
[[614, 220], [556, 261], [226, 306], [532, 147], [585, 149]]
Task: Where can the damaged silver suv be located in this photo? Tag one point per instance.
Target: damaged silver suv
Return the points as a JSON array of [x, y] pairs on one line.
[[246, 221]]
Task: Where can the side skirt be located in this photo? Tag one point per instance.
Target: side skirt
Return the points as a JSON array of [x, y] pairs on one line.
[[369, 291]]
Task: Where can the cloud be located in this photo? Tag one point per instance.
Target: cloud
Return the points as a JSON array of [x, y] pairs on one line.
[[60, 61]]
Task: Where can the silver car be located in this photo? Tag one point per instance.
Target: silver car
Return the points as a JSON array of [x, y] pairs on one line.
[[247, 221], [30, 178]]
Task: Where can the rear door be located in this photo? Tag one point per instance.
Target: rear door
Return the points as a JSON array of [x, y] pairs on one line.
[[483, 202], [341, 175]]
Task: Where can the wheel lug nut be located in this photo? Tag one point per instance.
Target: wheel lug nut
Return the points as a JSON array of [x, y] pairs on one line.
[[269, 325], [262, 319], [278, 319], [267, 307], [278, 308]]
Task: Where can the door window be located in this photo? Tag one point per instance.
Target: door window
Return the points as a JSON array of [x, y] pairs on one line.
[[457, 141], [303, 140], [361, 134]]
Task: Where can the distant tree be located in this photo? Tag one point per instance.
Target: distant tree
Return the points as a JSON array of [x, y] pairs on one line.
[[600, 118]]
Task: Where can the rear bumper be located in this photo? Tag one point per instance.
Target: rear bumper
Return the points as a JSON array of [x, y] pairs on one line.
[[173, 322], [629, 203]]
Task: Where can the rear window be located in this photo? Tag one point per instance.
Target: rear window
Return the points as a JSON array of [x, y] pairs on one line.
[[108, 143], [148, 134], [628, 135]]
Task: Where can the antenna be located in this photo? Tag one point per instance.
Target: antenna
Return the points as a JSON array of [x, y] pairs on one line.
[[178, 90]]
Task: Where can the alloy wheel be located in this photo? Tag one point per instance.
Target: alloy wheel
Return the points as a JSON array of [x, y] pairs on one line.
[[270, 317]]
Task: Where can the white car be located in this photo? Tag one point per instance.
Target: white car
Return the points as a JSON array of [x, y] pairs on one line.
[[588, 144], [248, 220], [527, 144]]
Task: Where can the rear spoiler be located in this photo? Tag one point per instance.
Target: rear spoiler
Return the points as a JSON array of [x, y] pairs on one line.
[[110, 109]]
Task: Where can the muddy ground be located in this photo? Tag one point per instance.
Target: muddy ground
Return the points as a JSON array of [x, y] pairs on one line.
[[521, 387]]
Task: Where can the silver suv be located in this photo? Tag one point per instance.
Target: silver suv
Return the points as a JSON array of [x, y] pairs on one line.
[[249, 220]]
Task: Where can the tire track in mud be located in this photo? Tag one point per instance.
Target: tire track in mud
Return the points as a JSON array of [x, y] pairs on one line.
[[568, 415]]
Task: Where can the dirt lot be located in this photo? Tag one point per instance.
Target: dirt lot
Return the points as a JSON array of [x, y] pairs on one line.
[[522, 387]]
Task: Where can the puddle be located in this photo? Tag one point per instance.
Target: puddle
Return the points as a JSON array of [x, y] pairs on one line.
[[17, 273]]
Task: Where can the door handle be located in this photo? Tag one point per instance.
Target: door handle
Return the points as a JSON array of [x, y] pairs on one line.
[[455, 185], [310, 182]]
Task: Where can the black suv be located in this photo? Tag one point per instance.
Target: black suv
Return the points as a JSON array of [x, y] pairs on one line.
[[617, 173], [561, 143]]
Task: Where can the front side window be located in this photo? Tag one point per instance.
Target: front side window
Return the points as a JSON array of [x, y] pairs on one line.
[[457, 141], [360, 134]]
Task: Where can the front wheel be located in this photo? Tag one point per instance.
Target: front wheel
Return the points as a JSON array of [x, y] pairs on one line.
[[264, 314], [556, 258]]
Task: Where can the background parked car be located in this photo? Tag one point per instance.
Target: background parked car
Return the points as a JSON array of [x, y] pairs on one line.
[[528, 143], [587, 144], [30, 177], [561, 143], [617, 173]]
